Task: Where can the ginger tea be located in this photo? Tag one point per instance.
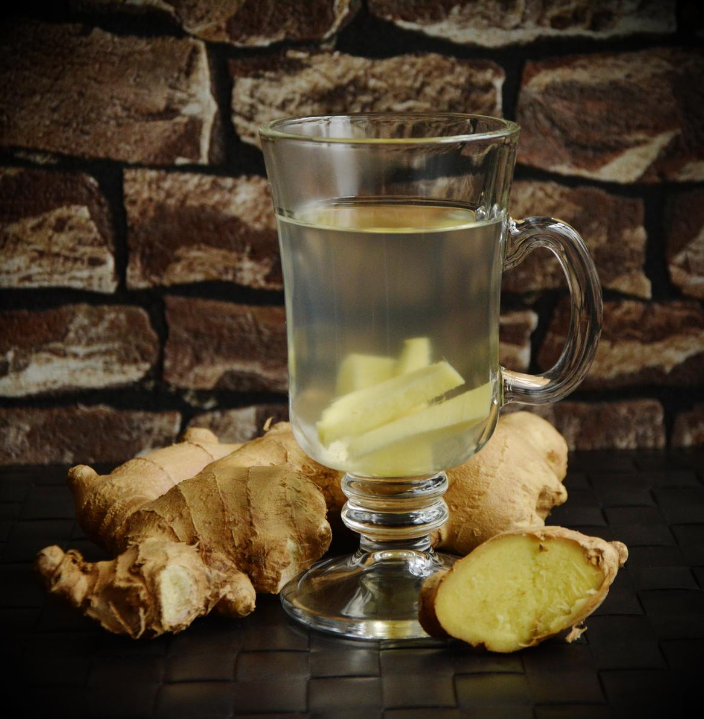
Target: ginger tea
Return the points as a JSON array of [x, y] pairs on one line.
[[392, 312]]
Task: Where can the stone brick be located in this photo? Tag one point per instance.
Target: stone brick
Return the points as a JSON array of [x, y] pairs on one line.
[[55, 231], [685, 242], [631, 424], [612, 228], [74, 347], [218, 345], [184, 227], [244, 23], [625, 117], [74, 435], [689, 428], [497, 23], [298, 82], [242, 424], [515, 329], [656, 343], [79, 91]]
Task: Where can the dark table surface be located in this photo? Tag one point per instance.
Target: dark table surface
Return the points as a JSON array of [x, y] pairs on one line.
[[641, 656]]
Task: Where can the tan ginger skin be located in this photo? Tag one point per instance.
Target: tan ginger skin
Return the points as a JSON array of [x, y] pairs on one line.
[[251, 536], [197, 526], [512, 483]]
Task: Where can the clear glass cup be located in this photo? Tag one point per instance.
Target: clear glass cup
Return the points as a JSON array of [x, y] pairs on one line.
[[394, 234]]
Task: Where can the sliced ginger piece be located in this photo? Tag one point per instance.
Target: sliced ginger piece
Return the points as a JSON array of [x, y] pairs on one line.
[[415, 354], [365, 409], [403, 459], [445, 417], [519, 588], [359, 371]]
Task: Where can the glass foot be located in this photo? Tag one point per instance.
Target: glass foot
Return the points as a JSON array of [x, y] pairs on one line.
[[372, 594]]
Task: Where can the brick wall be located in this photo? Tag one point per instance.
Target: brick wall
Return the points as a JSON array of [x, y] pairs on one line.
[[140, 285]]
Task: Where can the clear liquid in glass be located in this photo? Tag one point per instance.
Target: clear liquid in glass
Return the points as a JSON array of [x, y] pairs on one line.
[[378, 289]]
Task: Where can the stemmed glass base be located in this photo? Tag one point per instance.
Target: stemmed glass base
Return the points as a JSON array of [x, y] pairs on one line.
[[373, 594]]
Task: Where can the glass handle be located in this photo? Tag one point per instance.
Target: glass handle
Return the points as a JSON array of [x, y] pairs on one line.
[[587, 309]]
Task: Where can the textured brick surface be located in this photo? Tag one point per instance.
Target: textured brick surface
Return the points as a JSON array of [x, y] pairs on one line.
[[689, 428], [240, 425], [185, 228], [685, 242], [55, 231], [611, 226], [496, 23], [74, 347], [81, 91], [515, 330], [630, 424], [243, 22], [218, 345], [72, 435], [640, 344], [591, 115], [105, 128], [304, 83]]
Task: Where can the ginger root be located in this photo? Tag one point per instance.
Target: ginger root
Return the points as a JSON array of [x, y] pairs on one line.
[[151, 588], [103, 504], [279, 446], [512, 483], [521, 587], [250, 520]]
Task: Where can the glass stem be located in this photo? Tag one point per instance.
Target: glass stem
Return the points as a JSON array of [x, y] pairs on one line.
[[395, 513]]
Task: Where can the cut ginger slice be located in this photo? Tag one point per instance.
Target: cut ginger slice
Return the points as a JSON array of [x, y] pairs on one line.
[[403, 459], [358, 371], [521, 587], [448, 416], [363, 410], [414, 355]]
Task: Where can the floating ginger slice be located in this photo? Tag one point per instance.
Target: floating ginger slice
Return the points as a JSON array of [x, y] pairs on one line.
[[446, 417], [363, 410], [521, 587], [359, 371], [414, 355], [402, 459]]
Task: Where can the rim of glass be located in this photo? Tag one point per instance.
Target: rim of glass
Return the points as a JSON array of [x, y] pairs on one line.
[[505, 128]]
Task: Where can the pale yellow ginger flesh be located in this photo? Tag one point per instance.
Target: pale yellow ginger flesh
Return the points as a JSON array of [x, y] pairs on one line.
[[522, 587], [195, 527], [358, 371], [394, 418], [365, 409], [416, 353], [406, 458], [448, 417]]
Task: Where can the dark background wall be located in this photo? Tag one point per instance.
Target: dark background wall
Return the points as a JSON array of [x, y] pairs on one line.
[[140, 287]]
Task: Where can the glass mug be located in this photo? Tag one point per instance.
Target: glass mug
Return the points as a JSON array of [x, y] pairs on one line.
[[394, 234]]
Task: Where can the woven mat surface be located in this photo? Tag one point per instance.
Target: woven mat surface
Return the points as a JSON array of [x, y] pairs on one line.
[[642, 656]]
